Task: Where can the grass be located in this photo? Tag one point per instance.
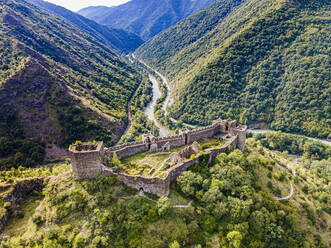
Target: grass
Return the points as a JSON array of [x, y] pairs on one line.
[[176, 198], [148, 164], [22, 223], [211, 143], [15, 175]]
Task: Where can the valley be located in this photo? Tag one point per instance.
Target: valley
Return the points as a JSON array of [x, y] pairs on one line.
[[127, 126]]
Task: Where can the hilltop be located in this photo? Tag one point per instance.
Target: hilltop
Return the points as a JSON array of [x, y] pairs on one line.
[[58, 84], [228, 203], [255, 61]]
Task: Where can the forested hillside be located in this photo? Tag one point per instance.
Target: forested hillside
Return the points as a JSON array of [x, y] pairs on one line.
[[118, 39], [262, 61], [145, 18], [228, 203], [58, 84]]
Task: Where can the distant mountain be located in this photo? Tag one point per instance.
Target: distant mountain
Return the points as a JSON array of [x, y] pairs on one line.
[[118, 39], [254, 60], [57, 83], [145, 18]]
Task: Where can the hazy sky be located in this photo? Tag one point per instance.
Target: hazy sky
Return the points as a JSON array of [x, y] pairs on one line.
[[75, 5]]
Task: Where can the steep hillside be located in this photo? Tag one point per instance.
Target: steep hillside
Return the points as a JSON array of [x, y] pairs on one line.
[[119, 40], [261, 61], [145, 18], [57, 83], [229, 203]]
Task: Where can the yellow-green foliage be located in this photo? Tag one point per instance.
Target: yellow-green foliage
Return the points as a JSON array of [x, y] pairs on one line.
[[230, 206]]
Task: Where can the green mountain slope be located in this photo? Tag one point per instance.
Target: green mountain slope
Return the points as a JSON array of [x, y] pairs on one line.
[[145, 18], [57, 83], [229, 203], [119, 40], [265, 61]]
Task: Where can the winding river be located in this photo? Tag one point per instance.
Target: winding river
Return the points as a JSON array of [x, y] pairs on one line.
[[149, 110]]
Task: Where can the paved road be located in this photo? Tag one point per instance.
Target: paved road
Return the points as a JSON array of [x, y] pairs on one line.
[[325, 142]]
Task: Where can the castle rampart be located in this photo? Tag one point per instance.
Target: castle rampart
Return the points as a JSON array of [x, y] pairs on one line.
[[88, 164]]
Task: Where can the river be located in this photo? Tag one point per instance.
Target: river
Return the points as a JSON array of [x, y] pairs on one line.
[[149, 110]]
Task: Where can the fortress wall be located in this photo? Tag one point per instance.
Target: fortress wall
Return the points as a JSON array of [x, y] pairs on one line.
[[127, 150], [160, 186], [178, 170], [201, 133], [174, 141], [157, 186], [119, 147]]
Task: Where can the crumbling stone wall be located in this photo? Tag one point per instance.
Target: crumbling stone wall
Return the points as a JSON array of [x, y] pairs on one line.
[[155, 185], [202, 133], [127, 150], [88, 164]]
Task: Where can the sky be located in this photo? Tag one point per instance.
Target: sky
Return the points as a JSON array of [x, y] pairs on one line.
[[76, 5]]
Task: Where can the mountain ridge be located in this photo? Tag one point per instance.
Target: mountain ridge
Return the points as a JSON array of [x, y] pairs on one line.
[[144, 18], [58, 84], [118, 39]]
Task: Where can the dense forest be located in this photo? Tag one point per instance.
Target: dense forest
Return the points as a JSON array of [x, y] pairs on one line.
[[229, 203], [58, 84], [262, 61]]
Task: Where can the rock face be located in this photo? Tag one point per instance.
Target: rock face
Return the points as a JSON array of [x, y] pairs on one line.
[[192, 149], [195, 148], [175, 158]]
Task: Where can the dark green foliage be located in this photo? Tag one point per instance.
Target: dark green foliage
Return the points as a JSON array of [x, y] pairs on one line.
[[295, 144], [263, 61], [228, 202], [61, 83], [15, 148], [117, 39]]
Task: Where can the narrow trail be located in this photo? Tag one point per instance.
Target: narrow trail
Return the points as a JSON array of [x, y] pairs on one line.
[[287, 167], [129, 118]]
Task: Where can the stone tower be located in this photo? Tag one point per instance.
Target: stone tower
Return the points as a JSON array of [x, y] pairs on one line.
[[241, 140], [86, 164]]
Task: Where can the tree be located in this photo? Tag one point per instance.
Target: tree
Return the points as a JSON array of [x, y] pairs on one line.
[[234, 239], [274, 236], [174, 244], [190, 182], [163, 205]]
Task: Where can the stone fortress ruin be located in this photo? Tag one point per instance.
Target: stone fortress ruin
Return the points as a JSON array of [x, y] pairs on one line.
[[88, 164]]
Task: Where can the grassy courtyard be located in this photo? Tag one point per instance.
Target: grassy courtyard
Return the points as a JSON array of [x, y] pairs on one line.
[[154, 164]]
